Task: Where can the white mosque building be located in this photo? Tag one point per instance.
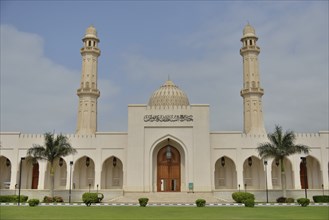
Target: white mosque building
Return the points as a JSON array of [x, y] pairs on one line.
[[168, 146]]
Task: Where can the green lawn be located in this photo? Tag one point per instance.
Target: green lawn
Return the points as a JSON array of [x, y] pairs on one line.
[[125, 212]]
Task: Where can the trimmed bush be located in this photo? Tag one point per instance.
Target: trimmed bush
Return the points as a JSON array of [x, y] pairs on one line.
[[33, 202], [143, 201], [47, 199], [290, 200], [303, 202], [249, 203], [318, 198], [100, 197], [240, 197], [281, 199], [58, 199], [89, 198], [200, 202], [12, 198]]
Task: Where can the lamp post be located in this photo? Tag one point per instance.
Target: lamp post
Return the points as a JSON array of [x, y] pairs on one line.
[[305, 174], [245, 187], [239, 187], [71, 163], [265, 163], [20, 180]]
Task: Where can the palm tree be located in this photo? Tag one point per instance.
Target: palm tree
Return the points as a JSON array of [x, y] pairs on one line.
[[281, 146], [54, 148]]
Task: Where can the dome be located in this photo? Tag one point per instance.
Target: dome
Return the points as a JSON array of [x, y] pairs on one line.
[[91, 32], [249, 31], [168, 95]]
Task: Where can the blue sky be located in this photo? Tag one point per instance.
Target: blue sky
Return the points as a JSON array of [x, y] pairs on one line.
[[142, 42]]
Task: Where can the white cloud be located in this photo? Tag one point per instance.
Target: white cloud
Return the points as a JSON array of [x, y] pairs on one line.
[[293, 65], [37, 94]]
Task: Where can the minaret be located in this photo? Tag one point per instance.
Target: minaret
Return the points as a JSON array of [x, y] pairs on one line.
[[88, 92], [252, 92]]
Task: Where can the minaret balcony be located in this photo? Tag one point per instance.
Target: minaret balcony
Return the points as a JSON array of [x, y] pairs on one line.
[[249, 91], [250, 48], [88, 91], [90, 49]]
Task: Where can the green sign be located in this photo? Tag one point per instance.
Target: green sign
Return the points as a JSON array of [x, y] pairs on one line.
[[190, 186]]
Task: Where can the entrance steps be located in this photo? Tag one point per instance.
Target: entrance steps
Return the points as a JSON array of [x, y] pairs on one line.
[[168, 197]]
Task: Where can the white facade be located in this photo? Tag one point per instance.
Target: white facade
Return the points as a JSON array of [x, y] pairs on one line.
[[168, 146]]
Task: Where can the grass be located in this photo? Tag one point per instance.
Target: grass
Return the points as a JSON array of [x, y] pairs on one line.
[[161, 213]]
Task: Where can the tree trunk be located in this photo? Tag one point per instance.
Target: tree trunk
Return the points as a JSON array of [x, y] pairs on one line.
[[52, 179], [283, 179]]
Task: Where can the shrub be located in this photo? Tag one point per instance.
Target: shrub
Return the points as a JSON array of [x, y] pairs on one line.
[[12, 198], [100, 197], [33, 202], [143, 201], [249, 203], [240, 197], [58, 199], [200, 202], [318, 198], [281, 199], [47, 199], [89, 198], [303, 202], [290, 200]]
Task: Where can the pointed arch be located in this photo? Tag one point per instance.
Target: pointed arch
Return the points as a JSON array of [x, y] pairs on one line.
[[182, 150], [112, 173], [276, 174], [60, 167], [5, 170], [225, 173], [253, 173], [84, 173], [310, 176]]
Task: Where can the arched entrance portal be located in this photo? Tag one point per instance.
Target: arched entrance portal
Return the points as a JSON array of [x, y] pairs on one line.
[[168, 170]]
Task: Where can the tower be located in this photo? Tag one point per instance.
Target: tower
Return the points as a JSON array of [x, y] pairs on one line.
[[252, 92], [88, 92]]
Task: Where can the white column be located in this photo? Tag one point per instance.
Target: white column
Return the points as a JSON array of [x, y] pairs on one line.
[[98, 175], [269, 174], [295, 167], [14, 178], [42, 172], [240, 176]]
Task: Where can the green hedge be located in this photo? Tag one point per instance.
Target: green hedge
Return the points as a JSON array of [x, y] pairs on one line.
[[318, 198], [303, 202], [33, 202], [240, 197], [143, 201], [200, 202], [89, 198], [48, 199], [285, 200], [249, 203], [290, 200], [12, 198]]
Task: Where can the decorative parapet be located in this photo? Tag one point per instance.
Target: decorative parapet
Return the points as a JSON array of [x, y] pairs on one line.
[[305, 135]]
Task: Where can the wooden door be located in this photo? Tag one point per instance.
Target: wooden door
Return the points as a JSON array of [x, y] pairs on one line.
[[303, 176], [168, 170], [35, 176]]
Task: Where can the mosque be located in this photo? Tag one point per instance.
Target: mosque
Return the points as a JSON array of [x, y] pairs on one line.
[[168, 146]]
